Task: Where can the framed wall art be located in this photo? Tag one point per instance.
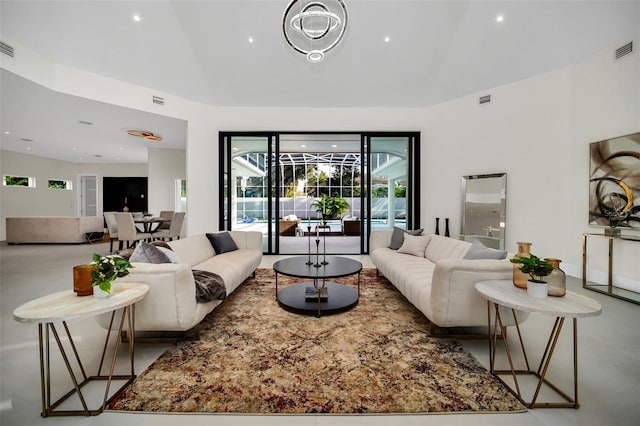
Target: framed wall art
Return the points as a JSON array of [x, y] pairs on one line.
[[614, 182]]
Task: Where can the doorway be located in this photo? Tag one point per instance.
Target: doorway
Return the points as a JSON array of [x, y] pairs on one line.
[[277, 183]]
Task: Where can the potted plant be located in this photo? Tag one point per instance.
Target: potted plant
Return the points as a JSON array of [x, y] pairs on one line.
[[537, 269], [330, 207], [105, 270]]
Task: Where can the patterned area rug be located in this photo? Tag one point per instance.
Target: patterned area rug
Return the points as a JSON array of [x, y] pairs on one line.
[[255, 357]]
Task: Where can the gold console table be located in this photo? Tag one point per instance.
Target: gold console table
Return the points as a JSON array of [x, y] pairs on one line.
[[608, 289]]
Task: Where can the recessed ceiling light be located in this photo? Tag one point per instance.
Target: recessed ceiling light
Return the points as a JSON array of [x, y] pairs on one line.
[[137, 18], [28, 148], [75, 148], [250, 39], [499, 18], [303, 146], [7, 133], [334, 146], [387, 39]]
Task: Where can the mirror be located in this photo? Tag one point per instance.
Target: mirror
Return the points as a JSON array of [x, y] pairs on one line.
[[484, 209]]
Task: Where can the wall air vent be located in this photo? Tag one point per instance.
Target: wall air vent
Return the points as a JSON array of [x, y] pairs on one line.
[[624, 50], [6, 49], [485, 99], [158, 100]]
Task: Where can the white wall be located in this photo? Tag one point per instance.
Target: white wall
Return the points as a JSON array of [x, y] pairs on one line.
[[42, 201], [537, 130], [165, 166]]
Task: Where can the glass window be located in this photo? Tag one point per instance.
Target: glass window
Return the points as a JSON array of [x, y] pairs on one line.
[[60, 184], [25, 181]]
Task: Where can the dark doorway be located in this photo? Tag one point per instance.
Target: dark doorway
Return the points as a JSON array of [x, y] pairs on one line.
[[119, 192]]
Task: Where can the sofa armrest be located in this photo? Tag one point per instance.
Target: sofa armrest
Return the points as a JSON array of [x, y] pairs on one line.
[[454, 299], [170, 304], [379, 239]]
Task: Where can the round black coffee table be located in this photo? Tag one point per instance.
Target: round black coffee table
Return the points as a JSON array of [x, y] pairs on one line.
[[339, 297]]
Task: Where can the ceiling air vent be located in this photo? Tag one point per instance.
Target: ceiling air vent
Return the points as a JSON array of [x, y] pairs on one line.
[[624, 50], [6, 49], [485, 99], [158, 100]]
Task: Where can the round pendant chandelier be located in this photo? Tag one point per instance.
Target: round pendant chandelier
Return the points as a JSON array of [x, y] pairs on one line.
[[314, 27]]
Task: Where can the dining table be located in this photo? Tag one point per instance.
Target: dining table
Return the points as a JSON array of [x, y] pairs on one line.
[[148, 223]]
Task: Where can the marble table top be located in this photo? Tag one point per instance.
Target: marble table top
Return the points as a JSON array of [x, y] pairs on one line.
[[66, 305], [571, 305]]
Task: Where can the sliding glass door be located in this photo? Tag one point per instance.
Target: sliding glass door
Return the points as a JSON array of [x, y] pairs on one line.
[[282, 184]]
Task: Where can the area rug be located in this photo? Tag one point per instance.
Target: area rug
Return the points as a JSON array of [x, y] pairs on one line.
[[253, 357]]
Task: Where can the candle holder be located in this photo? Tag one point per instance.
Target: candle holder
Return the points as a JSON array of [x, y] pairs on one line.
[[317, 264], [309, 262], [324, 247]]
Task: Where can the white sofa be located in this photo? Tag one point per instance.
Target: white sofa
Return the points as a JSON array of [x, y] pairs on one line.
[[441, 284], [171, 303], [51, 229]]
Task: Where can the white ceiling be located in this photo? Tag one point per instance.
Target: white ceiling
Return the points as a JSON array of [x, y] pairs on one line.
[[438, 50]]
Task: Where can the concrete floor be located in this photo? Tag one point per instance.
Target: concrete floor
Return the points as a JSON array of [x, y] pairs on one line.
[[609, 358]]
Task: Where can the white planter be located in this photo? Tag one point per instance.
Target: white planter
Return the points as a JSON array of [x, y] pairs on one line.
[[537, 290], [100, 293]]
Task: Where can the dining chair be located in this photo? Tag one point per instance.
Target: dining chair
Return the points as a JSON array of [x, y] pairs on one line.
[[112, 227], [127, 230], [174, 228], [166, 214]]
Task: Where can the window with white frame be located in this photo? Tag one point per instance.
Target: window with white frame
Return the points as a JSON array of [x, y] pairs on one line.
[[181, 195], [60, 184], [21, 181]]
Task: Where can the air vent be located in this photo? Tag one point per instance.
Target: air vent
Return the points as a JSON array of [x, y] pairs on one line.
[[158, 100], [485, 99], [624, 50], [86, 123], [26, 140], [6, 49]]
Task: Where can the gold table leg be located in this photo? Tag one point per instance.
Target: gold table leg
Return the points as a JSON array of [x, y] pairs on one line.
[[541, 372], [49, 408]]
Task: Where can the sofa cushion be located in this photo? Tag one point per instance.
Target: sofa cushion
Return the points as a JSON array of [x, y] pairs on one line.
[[480, 251], [222, 242], [192, 250], [397, 238], [147, 253], [414, 245], [445, 248]]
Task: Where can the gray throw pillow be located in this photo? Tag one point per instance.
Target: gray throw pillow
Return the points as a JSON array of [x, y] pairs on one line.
[[479, 251], [397, 238], [147, 253], [222, 242]]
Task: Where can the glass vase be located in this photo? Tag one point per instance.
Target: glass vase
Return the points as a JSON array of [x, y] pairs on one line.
[[557, 279], [82, 280], [520, 278]]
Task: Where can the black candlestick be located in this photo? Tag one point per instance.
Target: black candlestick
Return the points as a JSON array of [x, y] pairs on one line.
[[324, 247], [309, 262], [317, 264]]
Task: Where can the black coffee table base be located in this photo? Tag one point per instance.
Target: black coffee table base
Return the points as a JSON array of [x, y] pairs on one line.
[[340, 298]]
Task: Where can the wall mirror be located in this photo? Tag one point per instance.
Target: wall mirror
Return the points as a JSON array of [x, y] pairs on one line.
[[484, 209]]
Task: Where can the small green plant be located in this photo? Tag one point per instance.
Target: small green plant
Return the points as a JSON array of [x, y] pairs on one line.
[[535, 267], [106, 269], [330, 207]]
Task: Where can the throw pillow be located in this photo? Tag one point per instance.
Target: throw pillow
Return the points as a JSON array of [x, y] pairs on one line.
[[397, 238], [414, 245], [170, 254], [147, 253], [222, 242], [478, 251]]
